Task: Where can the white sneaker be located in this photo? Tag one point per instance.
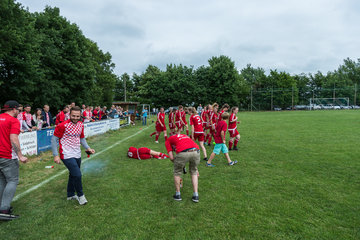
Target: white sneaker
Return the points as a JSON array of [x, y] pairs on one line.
[[73, 197], [156, 141], [82, 200]]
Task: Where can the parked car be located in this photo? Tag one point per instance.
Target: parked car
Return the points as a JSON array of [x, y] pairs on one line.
[[276, 108], [345, 107], [300, 107], [355, 107]]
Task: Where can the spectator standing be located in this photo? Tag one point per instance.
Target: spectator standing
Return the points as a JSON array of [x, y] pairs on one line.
[[83, 108], [27, 117], [144, 116], [70, 135], [62, 116], [47, 117], [186, 151], [38, 119], [112, 111], [199, 109], [105, 113], [87, 115], [9, 151], [23, 125]]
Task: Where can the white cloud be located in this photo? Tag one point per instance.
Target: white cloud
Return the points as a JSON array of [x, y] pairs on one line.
[[295, 36]]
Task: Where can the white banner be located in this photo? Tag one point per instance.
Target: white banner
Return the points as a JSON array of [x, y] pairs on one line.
[[96, 128], [28, 143], [114, 124]]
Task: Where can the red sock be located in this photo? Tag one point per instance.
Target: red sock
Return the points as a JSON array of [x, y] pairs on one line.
[[152, 134], [187, 132], [230, 144], [157, 138], [165, 138], [236, 142]]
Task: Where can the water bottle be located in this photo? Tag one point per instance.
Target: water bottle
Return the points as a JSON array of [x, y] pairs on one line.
[[49, 166]]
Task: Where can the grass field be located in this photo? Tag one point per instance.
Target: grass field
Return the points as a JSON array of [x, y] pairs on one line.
[[298, 177]]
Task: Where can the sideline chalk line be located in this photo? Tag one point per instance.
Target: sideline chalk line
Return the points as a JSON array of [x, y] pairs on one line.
[[20, 195]]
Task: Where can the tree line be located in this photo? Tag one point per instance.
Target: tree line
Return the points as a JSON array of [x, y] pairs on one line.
[[221, 82], [46, 59]]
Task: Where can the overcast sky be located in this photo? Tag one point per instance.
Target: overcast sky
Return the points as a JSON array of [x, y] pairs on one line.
[[288, 35]]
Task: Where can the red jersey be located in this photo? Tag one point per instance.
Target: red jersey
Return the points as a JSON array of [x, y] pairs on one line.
[[221, 126], [171, 117], [196, 121], [160, 119], [232, 122], [180, 142], [177, 116], [220, 113], [183, 116], [69, 134], [139, 153], [214, 118], [61, 117], [27, 117], [208, 116], [8, 125], [203, 116]]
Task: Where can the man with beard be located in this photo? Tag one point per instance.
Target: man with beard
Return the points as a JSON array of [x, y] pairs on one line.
[[69, 135]]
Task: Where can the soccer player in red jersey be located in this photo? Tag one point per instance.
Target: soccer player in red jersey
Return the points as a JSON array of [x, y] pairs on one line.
[[203, 118], [62, 116], [197, 131], [183, 117], [178, 119], [186, 151], [10, 152], [224, 108], [160, 125], [234, 134], [208, 122], [213, 121], [70, 135], [172, 122], [220, 141], [145, 153]]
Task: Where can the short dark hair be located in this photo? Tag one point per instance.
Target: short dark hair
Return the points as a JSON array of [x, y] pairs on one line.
[[76, 108]]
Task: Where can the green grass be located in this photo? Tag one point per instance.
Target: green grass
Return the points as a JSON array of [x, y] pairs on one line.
[[298, 177]]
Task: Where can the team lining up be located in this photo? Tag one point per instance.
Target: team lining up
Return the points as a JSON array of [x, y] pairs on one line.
[[203, 127]]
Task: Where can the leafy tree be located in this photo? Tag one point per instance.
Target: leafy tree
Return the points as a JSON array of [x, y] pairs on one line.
[[19, 61]]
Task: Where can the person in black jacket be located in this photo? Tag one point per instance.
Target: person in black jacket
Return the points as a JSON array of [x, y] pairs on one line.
[[47, 117]]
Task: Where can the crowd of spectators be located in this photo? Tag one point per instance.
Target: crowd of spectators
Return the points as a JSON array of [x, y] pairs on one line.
[[42, 118]]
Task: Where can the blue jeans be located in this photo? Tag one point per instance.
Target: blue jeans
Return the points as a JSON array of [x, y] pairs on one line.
[[74, 183], [144, 121], [9, 178]]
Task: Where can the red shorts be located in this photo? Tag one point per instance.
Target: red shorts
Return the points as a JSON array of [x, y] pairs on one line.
[[199, 136], [233, 132], [179, 125], [159, 128], [172, 125], [204, 125]]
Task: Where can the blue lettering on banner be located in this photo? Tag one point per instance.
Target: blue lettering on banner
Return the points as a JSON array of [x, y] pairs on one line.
[[44, 139]]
